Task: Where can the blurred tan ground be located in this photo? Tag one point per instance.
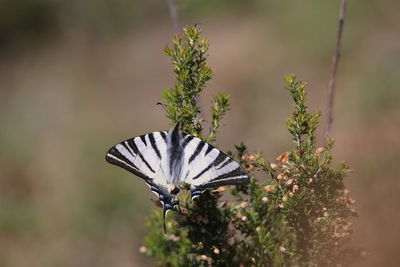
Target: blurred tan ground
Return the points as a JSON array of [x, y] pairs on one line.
[[65, 99]]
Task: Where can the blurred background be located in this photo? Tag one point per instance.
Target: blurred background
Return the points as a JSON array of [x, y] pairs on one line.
[[76, 77]]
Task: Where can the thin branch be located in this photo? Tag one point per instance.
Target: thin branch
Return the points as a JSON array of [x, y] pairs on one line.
[[173, 11], [334, 67]]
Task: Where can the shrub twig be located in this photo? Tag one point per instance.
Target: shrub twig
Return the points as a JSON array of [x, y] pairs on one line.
[[173, 11], [334, 68]]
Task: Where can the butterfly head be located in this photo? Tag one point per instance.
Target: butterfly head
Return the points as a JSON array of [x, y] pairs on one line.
[[173, 190]]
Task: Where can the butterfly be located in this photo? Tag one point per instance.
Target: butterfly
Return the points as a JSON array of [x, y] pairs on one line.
[[166, 159]]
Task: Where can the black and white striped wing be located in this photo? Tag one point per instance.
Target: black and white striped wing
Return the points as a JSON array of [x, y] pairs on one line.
[[141, 155], [206, 166]]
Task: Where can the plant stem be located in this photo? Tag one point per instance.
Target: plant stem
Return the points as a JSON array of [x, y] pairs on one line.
[[334, 67], [173, 11]]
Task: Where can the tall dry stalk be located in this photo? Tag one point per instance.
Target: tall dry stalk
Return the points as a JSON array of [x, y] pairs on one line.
[[173, 11], [334, 68]]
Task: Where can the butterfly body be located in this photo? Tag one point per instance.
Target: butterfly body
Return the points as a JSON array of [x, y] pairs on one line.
[[166, 159]]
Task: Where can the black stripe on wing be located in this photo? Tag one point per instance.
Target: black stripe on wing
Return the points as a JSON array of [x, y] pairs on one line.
[[164, 136], [154, 144], [187, 140], [135, 149], [238, 172], [126, 154], [228, 160], [143, 138], [220, 158], [230, 177], [132, 145], [113, 156], [197, 151], [230, 181], [209, 148], [235, 177]]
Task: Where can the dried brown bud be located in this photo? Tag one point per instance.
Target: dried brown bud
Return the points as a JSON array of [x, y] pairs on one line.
[[295, 188], [244, 204], [249, 167], [142, 249], [253, 157], [283, 158], [319, 151], [245, 157], [223, 204], [269, 188], [281, 176]]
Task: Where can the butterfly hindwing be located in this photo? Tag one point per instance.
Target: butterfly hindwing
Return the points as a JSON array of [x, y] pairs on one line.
[[141, 155]]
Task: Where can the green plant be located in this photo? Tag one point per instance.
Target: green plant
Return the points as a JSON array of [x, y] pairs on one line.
[[295, 213]]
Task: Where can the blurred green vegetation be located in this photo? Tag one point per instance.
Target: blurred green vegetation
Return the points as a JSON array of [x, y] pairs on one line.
[[79, 76]]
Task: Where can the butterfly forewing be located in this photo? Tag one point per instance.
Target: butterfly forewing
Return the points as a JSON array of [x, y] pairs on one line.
[[210, 167], [140, 155]]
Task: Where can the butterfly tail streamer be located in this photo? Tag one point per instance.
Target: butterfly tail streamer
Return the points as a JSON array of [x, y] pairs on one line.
[[165, 229], [164, 213]]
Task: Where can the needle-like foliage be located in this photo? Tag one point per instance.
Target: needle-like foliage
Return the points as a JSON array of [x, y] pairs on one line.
[[188, 54], [295, 213]]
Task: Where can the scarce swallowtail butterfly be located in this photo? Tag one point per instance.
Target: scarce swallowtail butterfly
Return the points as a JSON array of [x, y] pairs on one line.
[[167, 158]]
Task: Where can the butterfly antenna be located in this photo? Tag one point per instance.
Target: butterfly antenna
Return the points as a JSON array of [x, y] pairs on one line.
[[162, 105]]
